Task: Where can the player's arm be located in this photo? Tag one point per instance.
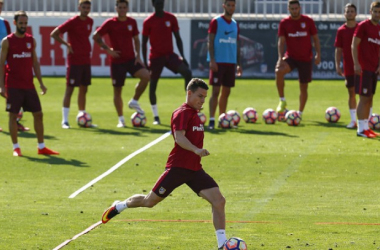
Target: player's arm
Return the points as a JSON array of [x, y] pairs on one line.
[[338, 58], [378, 67], [180, 46], [183, 142], [210, 45], [317, 46], [354, 49], [37, 68], [3, 58], [280, 50], [145, 40], [239, 69], [56, 34], [137, 46], [99, 40]]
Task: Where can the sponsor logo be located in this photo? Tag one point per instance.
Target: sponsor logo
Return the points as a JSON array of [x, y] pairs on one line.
[[303, 25], [228, 32], [28, 45], [162, 190], [130, 27], [72, 81], [298, 34], [167, 23], [23, 55], [200, 128], [229, 40], [376, 41]]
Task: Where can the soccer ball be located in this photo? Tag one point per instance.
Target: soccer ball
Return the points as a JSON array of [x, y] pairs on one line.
[[250, 115], [332, 114], [374, 121], [84, 120], [235, 243], [235, 116], [226, 121], [292, 118], [281, 115], [138, 119], [269, 116], [202, 117]]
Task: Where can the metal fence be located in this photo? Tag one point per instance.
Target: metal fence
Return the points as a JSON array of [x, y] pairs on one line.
[[245, 9]]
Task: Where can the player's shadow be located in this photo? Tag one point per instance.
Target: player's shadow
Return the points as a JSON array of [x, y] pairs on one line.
[[54, 160], [119, 131], [31, 135], [260, 132], [329, 124], [152, 130]]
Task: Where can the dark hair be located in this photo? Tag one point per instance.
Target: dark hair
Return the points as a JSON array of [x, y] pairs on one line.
[[350, 5], [196, 83], [122, 1], [225, 1], [20, 13], [293, 2], [375, 5]]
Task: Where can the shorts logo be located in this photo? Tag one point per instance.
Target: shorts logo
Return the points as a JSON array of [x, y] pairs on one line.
[[303, 25], [8, 106], [72, 81], [167, 23], [162, 190], [365, 91], [130, 27], [28, 45], [215, 79], [113, 81]]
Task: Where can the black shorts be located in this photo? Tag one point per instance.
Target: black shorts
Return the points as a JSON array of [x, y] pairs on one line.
[[350, 82], [175, 177], [225, 75], [22, 98], [156, 65], [304, 69], [119, 71], [77, 75], [367, 83]]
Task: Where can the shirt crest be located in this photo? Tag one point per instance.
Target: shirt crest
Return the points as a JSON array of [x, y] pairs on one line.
[[28, 45], [130, 27], [303, 25], [167, 23]]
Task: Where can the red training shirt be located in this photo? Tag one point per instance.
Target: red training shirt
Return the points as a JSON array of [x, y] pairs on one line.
[[19, 68], [121, 35], [298, 34], [159, 30], [368, 50], [186, 118], [343, 40], [78, 33]]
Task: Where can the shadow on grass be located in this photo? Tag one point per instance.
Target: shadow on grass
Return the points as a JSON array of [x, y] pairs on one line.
[[328, 124], [54, 160], [31, 135], [249, 131]]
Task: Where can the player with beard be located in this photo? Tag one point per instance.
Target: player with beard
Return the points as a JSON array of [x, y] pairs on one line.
[[19, 50], [296, 32], [343, 43]]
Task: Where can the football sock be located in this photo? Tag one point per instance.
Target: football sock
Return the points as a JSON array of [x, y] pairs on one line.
[[370, 113], [121, 206], [133, 101], [282, 99], [121, 118], [41, 145], [212, 118], [81, 111], [16, 146], [65, 114], [300, 113], [366, 127], [361, 126], [221, 237], [353, 114], [155, 110]]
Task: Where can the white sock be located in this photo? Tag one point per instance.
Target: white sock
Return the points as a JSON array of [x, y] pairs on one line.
[[121, 118], [155, 110], [65, 114], [121, 206], [282, 99], [16, 146], [366, 127], [221, 237], [370, 113], [300, 113], [361, 126], [353, 114], [133, 101], [212, 118], [81, 111], [41, 145]]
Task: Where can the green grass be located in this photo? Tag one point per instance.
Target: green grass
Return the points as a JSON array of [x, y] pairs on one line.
[[286, 181]]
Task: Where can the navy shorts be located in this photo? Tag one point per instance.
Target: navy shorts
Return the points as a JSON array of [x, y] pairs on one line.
[[367, 83], [225, 76], [175, 177], [350, 82], [119, 71], [77, 75], [156, 65], [304, 69], [23, 98]]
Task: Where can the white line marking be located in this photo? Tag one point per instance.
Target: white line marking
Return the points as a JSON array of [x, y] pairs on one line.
[[78, 235], [120, 163]]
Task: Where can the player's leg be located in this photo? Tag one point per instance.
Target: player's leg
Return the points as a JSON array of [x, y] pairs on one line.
[[352, 106], [185, 72], [213, 103], [303, 97], [14, 101], [82, 97], [178, 65], [282, 68], [223, 99], [66, 106], [304, 76], [156, 66], [143, 75], [13, 129], [39, 128], [118, 102], [118, 75], [227, 77]]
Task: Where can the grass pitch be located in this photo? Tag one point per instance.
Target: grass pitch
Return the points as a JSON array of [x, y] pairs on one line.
[[314, 186]]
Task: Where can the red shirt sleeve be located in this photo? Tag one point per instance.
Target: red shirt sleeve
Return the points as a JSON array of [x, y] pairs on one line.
[[103, 29], [213, 26], [359, 31], [175, 26], [179, 121], [281, 29], [66, 26], [146, 27], [7, 26], [338, 39], [313, 29], [135, 29]]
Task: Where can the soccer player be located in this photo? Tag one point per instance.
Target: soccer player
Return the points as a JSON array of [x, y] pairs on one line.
[[125, 56], [184, 164], [78, 73], [365, 53], [19, 50], [343, 41], [159, 27], [224, 57], [296, 32]]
